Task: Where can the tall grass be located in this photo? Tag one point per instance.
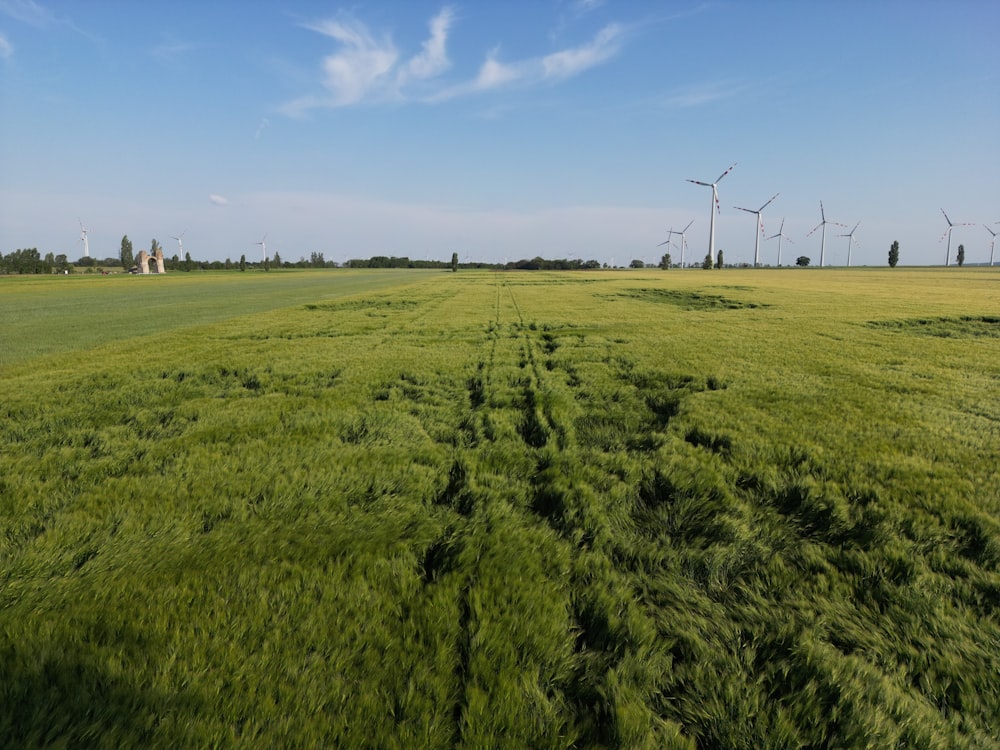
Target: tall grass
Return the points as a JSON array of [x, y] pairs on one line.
[[517, 511]]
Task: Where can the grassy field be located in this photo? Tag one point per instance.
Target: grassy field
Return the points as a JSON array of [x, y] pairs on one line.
[[44, 315], [733, 509]]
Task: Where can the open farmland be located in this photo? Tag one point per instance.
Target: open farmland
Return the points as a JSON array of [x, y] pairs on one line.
[[692, 509]]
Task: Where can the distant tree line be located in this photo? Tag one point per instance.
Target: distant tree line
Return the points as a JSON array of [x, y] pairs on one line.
[[28, 260]]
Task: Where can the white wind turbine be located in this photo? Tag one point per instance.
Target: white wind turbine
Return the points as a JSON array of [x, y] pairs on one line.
[[823, 223], [683, 242], [83, 238], [951, 225], [263, 246], [779, 235], [180, 244], [850, 242], [760, 227], [992, 241], [715, 207]]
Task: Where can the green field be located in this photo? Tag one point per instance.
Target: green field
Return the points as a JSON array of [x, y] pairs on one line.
[[726, 509]]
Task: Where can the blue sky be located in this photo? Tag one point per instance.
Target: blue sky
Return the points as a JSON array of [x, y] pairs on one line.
[[561, 128]]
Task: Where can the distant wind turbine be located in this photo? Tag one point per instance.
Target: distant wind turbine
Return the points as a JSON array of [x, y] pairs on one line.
[[760, 227], [779, 235], [715, 208], [263, 246], [993, 241], [180, 245], [951, 225], [683, 241], [823, 223], [83, 238], [850, 242]]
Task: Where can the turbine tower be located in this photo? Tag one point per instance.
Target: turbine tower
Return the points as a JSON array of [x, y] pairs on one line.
[[951, 225], [779, 235], [263, 246], [180, 245], [683, 242], [83, 238], [760, 227], [823, 223], [850, 242], [715, 207], [992, 241]]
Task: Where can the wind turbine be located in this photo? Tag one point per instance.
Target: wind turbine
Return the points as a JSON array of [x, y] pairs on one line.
[[180, 245], [823, 223], [951, 225], [263, 246], [83, 237], [683, 242], [850, 242], [760, 227], [715, 207], [779, 235], [992, 241]]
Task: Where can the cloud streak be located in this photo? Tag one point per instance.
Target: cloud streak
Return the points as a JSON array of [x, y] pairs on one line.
[[6, 48], [368, 69], [218, 200], [29, 12]]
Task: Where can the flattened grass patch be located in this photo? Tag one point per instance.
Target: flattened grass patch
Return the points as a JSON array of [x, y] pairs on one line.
[[965, 327], [689, 300]]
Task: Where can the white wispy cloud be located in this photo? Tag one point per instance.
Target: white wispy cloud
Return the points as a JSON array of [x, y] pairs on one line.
[[701, 94], [6, 48], [218, 200], [366, 68], [264, 125], [433, 58], [170, 47], [573, 61], [361, 64], [550, 68], [29, 12]]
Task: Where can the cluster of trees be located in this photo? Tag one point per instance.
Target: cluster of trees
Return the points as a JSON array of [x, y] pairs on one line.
[[28, 260]]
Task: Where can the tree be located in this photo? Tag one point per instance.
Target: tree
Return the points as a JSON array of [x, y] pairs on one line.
[[267, 264], [719, 262], [707, 263], [153, 247], [277, 260], [637, 264], [802, 260], [187, 261], [894, 254], [127, 258], [454, 262], [243, 262], [961, 255], [665, 262]]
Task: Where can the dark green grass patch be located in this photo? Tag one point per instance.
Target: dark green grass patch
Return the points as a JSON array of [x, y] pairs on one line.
[[689, 300], [965, 326]]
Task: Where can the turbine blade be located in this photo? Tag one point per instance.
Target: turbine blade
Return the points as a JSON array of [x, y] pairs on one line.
[[748, 210], [769, 202], [815, 228], [692, 222], [822, 213], [699, 182], [726, 172], [946, 218]]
